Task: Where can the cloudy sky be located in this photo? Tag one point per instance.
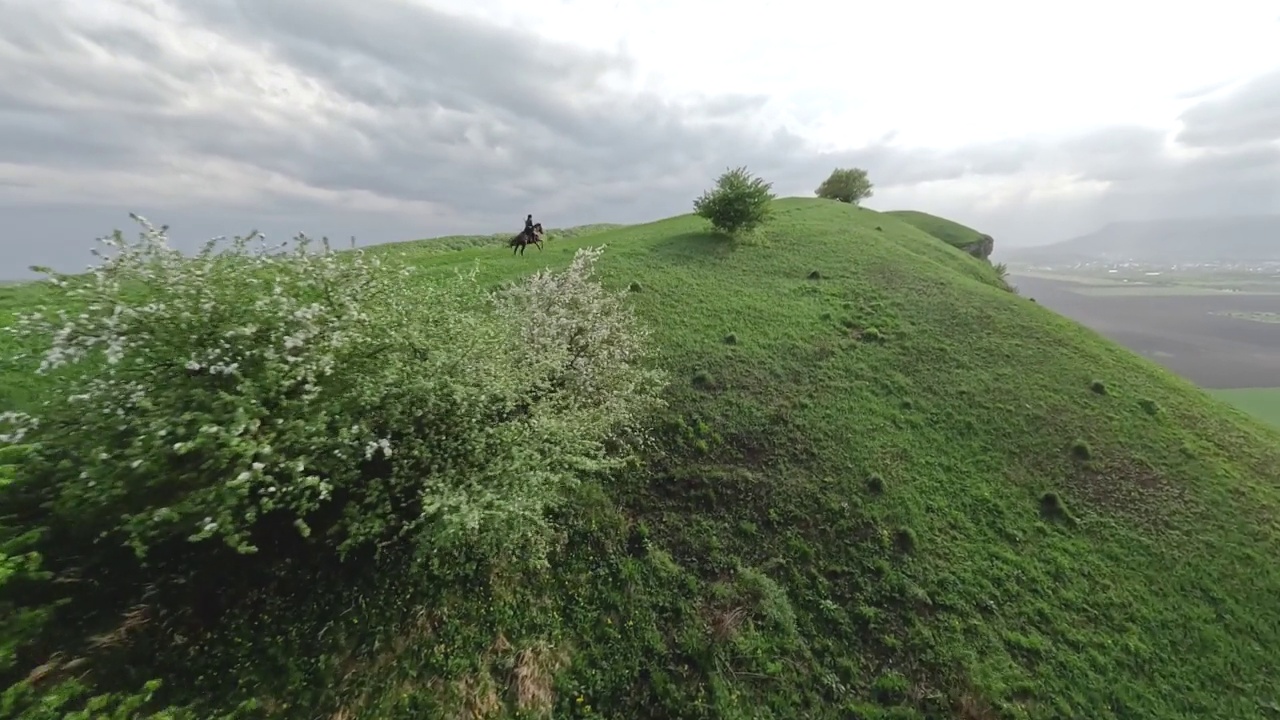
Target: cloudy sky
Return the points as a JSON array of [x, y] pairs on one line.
[[395, 119]]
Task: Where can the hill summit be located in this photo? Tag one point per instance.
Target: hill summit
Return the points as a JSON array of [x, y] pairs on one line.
[[881, 486]]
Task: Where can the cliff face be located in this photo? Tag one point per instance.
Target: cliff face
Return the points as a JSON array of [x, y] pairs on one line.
[[982, 248]]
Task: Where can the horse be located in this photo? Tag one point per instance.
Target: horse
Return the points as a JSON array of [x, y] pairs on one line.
[[524, 239]]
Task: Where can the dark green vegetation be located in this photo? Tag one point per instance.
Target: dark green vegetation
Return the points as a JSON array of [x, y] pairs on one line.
[[896, 493], [739, 203], [849, 185]]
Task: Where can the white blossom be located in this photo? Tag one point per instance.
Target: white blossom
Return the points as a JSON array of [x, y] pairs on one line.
[[277, 394]]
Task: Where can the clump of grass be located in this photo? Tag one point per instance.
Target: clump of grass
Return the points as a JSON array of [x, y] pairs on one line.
[[635, 287], [871, 334], [1098, 387], [731, 339], [815, 275], [1054, 508], [702, 379], [1080, 450], [1150, 407], [891, 688], [904, 540], [875, 484]]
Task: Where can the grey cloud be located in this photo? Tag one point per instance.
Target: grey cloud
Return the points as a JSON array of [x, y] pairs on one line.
[[466, 114], [490, 123], [1236, 181], [1118, 154], [1250, 113], [1201, 91]]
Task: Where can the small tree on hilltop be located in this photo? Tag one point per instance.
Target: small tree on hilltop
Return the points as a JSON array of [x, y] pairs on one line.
[[739, 203], [849, 185]]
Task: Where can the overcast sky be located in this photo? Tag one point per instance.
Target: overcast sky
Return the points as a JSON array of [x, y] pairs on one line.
[[397, 119]]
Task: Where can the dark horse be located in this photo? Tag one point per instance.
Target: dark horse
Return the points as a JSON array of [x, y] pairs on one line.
[[524, 239]]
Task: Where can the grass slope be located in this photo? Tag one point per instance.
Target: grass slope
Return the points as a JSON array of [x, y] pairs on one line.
[[948, 231], [459, 242], [888, 489]]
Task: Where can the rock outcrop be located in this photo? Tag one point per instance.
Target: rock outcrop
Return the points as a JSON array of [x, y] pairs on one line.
[[981, 249]]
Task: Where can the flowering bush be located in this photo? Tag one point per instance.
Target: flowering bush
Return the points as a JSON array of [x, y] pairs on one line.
[[217, 396], [586, 344]]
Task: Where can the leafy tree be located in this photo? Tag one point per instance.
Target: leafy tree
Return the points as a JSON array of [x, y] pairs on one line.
[[740, 202], [849, 185]]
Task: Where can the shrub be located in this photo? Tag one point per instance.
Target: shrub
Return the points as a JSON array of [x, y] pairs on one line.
[[1002, 273], [739, 203], [848, 185], [230, 394]]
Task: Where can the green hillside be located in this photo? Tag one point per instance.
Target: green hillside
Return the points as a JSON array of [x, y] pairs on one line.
[[950, 232], [884, 487], [450, 243]]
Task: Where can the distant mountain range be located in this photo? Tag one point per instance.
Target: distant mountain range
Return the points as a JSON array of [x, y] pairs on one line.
[[1193, 240]]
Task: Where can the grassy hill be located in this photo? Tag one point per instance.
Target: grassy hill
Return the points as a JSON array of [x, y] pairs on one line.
[[948, 231], [885, 488], [460, 242]]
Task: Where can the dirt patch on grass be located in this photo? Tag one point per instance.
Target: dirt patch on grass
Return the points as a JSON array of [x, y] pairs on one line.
[[533, 679], [1127, 488]]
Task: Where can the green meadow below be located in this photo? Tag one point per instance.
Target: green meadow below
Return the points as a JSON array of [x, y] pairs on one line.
[[1264, 403], [885, 487]]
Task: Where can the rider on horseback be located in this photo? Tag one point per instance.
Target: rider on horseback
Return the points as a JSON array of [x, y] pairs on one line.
[[528, 227]]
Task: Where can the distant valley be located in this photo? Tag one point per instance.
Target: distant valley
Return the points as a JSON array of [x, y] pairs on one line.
[[1214, 242]]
